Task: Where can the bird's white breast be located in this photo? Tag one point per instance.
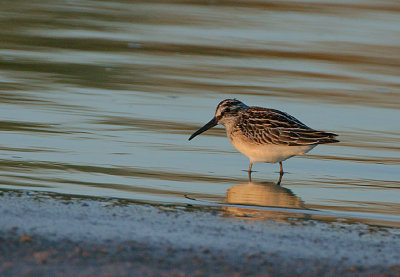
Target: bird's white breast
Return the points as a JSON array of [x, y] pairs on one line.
[[269, 153]]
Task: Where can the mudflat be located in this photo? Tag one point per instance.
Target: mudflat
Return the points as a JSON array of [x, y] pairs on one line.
[[43, 234]]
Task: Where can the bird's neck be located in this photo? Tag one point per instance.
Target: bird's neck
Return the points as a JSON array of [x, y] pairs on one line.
[[230, 125]]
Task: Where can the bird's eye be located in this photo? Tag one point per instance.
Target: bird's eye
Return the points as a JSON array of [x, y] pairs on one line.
[[227, 110]]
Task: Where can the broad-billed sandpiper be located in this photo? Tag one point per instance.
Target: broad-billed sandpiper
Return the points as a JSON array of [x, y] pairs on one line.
[[265, 135]]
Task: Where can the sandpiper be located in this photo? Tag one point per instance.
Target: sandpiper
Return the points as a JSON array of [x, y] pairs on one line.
[[265, 135]]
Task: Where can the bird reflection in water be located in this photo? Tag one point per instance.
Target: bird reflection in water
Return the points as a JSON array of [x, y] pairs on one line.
[[263, 194]]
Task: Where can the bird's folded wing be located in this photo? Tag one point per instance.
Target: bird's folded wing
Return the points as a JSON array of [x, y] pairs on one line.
[[268, 126]]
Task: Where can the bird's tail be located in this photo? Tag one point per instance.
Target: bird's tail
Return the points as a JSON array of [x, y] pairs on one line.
[[328, 138]]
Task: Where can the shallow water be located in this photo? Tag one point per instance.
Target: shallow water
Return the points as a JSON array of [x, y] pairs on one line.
[[99, 98]]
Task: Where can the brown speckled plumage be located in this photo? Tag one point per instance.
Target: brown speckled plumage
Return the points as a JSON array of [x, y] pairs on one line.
[[269, 126]]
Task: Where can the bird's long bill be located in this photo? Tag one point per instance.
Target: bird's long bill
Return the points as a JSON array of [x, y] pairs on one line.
[[209, 125]]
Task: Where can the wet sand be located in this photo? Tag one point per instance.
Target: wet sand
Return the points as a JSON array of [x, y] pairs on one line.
[[44, 234]]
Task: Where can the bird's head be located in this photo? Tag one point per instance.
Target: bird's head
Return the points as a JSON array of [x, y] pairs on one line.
[[226, 112]]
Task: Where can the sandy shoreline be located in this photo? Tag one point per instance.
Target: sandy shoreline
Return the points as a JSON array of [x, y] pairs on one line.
[[45, 234]]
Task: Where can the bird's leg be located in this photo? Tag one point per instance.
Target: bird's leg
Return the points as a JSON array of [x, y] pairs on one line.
[[281, 172], [250, 166], [280, 179]]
